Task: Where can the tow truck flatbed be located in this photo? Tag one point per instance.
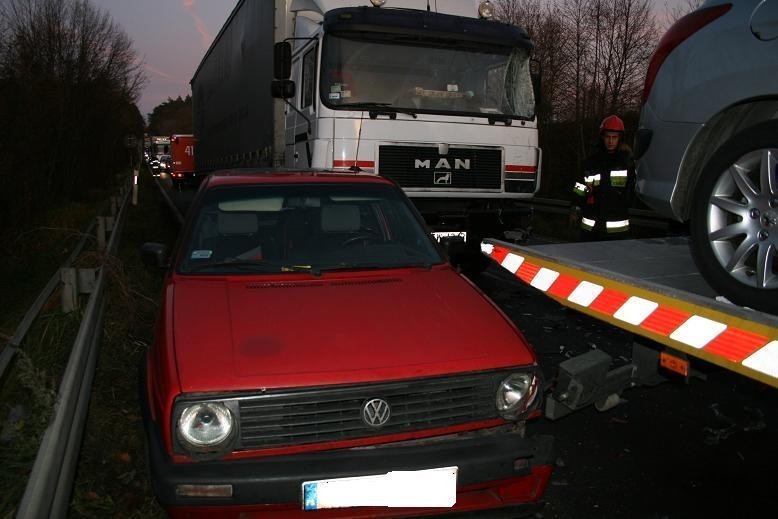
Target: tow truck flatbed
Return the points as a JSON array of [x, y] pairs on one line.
[[650, 287]]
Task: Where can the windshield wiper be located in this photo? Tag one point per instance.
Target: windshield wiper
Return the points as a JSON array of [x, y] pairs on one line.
[[498, 118], [301, 268], [373, 266], [256, 265], [376, 109]]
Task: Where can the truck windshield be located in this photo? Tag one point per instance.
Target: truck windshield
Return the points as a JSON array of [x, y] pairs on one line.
[[426, 79], [309, 228]]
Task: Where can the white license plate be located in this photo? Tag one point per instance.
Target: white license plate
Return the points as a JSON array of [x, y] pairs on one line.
[[452, 234], [399, 488]]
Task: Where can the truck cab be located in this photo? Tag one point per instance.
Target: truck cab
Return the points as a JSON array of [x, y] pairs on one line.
[[439, 98], [441, 102]]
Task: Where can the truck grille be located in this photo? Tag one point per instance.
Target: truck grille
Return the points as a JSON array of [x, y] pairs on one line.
[[335, 413], [460, 168]]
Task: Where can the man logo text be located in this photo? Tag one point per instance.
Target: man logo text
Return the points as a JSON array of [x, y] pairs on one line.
[[442, 164]]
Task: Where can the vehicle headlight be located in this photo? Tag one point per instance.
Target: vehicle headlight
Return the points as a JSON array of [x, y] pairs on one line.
[[486, 10], [516, 394], [206, 426]]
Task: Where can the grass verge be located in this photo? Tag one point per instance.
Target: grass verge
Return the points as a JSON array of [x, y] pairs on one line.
[[112, 477], [29, 257]]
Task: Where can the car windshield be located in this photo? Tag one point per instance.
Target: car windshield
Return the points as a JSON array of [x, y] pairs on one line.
[[426, 79], [305, 228]]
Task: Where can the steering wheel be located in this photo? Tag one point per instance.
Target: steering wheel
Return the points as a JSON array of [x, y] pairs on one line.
[[366, 235]]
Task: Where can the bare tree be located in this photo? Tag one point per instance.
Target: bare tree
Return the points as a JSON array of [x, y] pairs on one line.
[[594, 55], [68, 78], [673, 13], [624, 41]]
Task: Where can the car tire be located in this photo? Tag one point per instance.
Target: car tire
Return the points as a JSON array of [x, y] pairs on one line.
[[734, 219]]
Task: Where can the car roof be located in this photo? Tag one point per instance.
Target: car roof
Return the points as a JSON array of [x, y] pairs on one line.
[[286, 176]]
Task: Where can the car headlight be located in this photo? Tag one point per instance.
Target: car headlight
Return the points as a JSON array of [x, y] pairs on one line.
[[206, 426], [516, 394]]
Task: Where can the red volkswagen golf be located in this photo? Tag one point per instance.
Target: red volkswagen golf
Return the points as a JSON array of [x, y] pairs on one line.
[[315, 354]]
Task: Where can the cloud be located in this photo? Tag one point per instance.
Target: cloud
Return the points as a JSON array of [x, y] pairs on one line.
[[159, 73], [205, 34], [156, 71]]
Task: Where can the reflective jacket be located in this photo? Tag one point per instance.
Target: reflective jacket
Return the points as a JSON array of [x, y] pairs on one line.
[[605, 191]]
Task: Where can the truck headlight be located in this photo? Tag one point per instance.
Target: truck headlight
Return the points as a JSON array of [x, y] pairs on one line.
[[206, 426], [486, 10], [516, 394]]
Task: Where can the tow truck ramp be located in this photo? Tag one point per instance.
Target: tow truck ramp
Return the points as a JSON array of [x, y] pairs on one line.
[[652, 288]]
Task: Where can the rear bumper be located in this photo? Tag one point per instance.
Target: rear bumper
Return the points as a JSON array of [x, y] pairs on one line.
[[496, 470], [660, 160]]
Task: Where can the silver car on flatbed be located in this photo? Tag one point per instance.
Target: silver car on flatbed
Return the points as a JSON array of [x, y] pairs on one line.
[[707, 145]]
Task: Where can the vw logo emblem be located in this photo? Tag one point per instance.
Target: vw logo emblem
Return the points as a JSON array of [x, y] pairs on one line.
[[376, 412]]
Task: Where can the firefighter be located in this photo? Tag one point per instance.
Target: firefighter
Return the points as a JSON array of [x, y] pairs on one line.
[[604, 193]]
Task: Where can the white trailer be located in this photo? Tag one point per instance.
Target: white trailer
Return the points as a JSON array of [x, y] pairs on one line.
[[431, 94]]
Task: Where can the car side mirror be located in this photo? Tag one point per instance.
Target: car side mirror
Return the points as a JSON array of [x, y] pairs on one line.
[[282, 88], [282, 60], [154, 255]]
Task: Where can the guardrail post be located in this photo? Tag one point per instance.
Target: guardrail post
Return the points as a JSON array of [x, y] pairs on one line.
[[101, 233], [135, 187], [86, 280], [69, 280]]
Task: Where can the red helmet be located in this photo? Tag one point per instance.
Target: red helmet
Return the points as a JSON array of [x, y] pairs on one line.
[[612, 123]]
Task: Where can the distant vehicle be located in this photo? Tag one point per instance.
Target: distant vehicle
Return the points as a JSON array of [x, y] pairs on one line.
[[378, 86], [160, 165], [708, 143], [315, 350], [182, 150], [156, 167], [159, 146]]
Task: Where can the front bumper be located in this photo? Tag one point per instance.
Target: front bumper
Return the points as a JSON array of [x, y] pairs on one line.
[[495, 470]]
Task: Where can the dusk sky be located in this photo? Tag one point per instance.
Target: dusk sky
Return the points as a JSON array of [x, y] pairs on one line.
[[171, 37]]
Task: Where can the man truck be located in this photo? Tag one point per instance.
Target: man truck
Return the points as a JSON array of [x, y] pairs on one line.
[[435, 95]]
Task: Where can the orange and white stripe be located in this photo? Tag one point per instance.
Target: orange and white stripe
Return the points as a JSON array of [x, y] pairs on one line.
[[746, 346]]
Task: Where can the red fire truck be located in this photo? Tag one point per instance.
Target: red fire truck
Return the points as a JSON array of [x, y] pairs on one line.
[[182, 159]]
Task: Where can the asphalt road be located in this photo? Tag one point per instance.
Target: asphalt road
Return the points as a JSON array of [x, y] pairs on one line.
[[706, 448]]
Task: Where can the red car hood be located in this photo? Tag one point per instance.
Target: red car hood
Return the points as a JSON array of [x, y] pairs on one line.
[[239, 333]]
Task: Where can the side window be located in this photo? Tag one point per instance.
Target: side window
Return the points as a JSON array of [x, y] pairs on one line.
[[309, 78]]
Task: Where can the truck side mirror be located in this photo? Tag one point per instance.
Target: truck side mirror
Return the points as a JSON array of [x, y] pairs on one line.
[[535, 73], [154, 255], [282, 60], [282, 88]]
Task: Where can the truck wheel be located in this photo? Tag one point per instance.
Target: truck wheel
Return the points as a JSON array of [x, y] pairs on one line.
[[734, 220]]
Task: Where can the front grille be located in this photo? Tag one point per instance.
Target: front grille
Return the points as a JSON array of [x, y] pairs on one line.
[[424, 167], [335, 413]]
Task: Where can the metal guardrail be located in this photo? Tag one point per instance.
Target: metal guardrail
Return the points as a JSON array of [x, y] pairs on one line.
[[176, 213], [13, 344], [638, 217], [51, 480]]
